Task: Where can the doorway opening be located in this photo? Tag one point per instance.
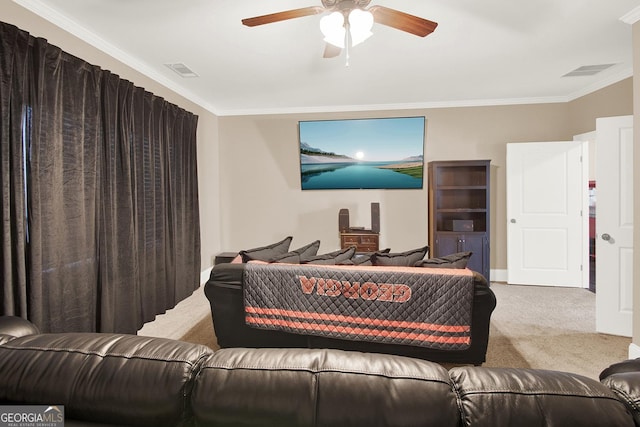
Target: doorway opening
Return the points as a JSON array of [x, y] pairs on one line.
[[592, 236]]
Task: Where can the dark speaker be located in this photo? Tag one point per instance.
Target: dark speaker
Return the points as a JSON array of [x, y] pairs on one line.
[[343, 220], [375, 217]]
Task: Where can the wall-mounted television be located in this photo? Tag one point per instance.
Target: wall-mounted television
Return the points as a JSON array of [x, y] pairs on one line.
[[378, 153]]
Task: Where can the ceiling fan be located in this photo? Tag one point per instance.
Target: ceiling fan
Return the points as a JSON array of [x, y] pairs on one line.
[[345, 17]]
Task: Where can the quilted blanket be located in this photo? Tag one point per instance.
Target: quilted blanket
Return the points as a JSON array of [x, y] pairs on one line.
[[400, 305]]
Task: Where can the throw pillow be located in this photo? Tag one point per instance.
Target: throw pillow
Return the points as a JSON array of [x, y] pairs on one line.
[[332, 258], [266, 253], [405, 259], [298, 255], [457, 260], [308, 251], [363, 259]]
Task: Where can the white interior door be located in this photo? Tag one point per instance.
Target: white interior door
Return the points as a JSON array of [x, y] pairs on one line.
[[547, 190], [614, 225]]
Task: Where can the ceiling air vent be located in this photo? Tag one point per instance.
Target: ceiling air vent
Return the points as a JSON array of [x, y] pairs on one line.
[[588, 70], [182, 70]]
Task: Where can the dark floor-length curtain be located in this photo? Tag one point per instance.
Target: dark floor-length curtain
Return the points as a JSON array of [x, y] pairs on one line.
[[14, 66], [100, 201], [62, 186], [147, 139]]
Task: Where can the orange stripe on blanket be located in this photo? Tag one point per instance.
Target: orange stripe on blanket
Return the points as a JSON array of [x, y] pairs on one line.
[[353, 319], [358, 331], [379, 268]]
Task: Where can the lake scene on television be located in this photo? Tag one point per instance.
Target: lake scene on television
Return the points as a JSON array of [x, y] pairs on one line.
[[383, 153]]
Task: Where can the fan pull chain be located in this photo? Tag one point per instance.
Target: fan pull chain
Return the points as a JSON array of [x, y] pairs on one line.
[[347, 42]]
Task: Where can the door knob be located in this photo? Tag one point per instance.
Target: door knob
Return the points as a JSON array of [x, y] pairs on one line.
[[606, 237], [513, 220]]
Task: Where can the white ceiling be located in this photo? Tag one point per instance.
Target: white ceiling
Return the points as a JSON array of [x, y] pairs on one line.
[[485, 52]]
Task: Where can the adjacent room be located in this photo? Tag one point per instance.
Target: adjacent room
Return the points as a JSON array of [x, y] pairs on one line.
[[243, 198]]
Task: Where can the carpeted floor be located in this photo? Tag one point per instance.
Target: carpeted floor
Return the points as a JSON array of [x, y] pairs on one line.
[[532, 327], [202, 333], [550, 328]]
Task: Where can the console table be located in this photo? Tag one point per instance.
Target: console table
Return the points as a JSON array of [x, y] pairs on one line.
[[363, 240], [224, 257]]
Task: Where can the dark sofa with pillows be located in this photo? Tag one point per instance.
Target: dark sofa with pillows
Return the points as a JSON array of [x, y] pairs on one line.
[[113, 380], [441, 340]]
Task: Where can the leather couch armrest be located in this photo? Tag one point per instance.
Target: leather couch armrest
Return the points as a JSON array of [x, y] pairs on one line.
[[627, 386], [227, 274], [631, 365], [17, 326], [482, 290]]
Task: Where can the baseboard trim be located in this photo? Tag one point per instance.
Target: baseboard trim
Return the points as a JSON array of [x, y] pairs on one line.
[[498, 275], [204, 275], [634, 351]]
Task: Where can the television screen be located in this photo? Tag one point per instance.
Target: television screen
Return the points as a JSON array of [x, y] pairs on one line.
[[385, 153]]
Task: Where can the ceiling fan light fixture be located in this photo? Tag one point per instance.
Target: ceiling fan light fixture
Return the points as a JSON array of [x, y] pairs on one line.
[[332, 27], [360, 24], [347, 23]]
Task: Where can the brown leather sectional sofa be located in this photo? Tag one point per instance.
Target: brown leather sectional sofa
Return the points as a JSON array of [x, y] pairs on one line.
[[127, 380]]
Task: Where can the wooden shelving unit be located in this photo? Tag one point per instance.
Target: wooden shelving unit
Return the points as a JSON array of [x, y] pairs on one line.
[[459, 210]]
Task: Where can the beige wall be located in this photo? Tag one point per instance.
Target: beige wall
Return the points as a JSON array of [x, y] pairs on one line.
[[207, 133], [248, 168], [262, 200], [614, 100]]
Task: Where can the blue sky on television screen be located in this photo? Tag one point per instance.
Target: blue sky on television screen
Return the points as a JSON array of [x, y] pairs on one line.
[[382, 139]]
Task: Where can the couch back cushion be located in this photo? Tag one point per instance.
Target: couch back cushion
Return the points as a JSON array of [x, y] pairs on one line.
[[106, 378], [302, 387], [503, 397], [17, 326]]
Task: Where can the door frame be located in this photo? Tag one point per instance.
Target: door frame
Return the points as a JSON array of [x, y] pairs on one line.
[[588, 140]]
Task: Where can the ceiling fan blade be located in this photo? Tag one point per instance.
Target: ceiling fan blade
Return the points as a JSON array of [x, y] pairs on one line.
[[331, 51], [402, 21], [282, 16]]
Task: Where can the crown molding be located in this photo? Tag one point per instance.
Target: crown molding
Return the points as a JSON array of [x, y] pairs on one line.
[[392, 107], [87, 36], [616, 77], [74, 28], [632, 17]]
